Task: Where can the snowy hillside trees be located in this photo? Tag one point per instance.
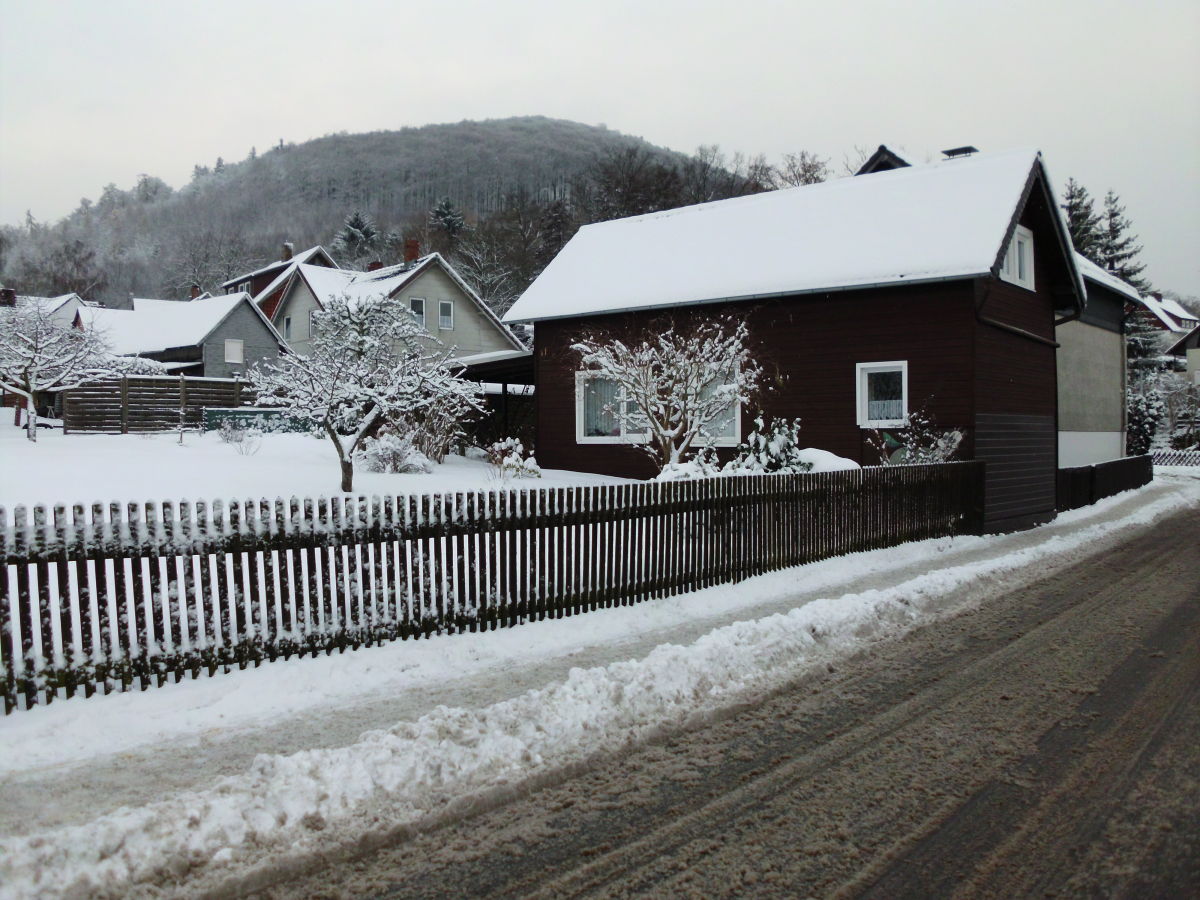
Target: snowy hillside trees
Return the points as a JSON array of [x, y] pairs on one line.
[[371, 366], [38, 355], [671, 389]]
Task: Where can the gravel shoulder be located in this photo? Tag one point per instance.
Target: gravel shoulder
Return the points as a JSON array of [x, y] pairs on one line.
[[1042, 743]]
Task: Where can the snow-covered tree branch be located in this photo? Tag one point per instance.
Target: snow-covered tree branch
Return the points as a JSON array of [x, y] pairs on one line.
[[40, 355], [371, 365], [673, 389]]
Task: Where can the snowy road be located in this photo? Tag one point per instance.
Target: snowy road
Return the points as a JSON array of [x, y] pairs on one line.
[[1046, 743], [230, 783]]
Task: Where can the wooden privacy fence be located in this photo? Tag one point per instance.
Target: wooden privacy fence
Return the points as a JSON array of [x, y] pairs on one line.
[[122, 597], [147, 403], [1084, 485]]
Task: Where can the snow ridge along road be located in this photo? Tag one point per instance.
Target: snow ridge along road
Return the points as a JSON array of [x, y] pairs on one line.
[[286, 808]]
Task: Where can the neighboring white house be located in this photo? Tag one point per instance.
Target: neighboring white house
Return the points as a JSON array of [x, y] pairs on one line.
[[443, 303], [61, 309]]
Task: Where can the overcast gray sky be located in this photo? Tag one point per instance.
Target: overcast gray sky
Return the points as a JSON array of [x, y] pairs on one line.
[[97, 92]]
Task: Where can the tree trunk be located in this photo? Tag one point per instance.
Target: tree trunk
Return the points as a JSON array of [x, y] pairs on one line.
[[30, 419], [347, 475]]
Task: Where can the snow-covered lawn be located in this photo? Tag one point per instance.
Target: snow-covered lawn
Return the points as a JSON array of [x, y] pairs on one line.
[[752, 636], [86, 468]]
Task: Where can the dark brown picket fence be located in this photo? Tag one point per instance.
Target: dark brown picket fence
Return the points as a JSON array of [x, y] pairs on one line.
[[1083, 485], [119, 598]]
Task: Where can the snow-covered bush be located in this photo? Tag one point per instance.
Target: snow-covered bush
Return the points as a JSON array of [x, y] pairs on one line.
[[921, 441], [393, 454], [772, 448], [245, 440], [511, 460], [1144, 411], [703, 464]]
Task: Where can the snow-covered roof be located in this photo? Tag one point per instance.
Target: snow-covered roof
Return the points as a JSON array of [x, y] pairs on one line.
[[1092, 272], [492, 356], [941, 221], [49, 304], [1184, 315], [154, 325], [302, 257], [1168, 321]]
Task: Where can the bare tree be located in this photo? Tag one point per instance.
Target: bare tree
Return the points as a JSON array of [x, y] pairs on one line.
[[674, 387], [804, 167]]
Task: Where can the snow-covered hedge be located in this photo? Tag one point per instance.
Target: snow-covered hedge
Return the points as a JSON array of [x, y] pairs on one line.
[[393, 454]]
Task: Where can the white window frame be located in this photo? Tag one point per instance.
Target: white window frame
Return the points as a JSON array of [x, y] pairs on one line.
[[442, 326], [1020, 251], [235, 344], [424, 308], [287, 328], [861, 371], [312, 313], [581, 380]]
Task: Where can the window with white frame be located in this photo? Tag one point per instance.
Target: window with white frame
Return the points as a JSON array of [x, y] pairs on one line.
[[1017, 267], [234, 351], [446, 315], [881, 394], [417, 305], [287, 328], [312, 320], [602, 414]]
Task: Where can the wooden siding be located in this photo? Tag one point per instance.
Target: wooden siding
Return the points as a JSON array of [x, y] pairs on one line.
[[809, 346]]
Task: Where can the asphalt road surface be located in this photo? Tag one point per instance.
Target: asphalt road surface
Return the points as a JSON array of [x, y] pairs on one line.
[[1046, 744]]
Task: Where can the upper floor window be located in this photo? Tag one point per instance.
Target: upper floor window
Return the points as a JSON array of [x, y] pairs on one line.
[[881, 394], [417, 305], [446, 315], [287, 328], [1017, 267], [234, 351]]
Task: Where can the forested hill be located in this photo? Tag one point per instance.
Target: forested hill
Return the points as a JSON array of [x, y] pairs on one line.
[[154, 240]]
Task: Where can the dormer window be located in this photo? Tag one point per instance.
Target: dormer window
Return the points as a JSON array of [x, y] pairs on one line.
[[1017, 267]]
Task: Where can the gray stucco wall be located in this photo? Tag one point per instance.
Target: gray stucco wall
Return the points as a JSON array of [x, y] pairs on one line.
[[1091, 378], [245, 325]]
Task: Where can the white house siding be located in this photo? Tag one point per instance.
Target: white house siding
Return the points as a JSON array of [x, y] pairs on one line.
[[1091, 401], [473, 331]]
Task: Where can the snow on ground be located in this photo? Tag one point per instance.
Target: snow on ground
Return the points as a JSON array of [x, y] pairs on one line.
[[289, 805], [86, 468]]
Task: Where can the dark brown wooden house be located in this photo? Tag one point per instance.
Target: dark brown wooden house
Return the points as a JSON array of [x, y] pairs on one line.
[[265, 285], [933, 287]]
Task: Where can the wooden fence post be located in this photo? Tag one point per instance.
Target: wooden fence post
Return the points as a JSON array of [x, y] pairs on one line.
[[124, 405]]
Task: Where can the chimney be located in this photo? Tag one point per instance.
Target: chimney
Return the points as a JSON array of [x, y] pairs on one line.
[[288, 249], [195, 292], [374, 266], [412, 250], [1157, 295], [8, 297]]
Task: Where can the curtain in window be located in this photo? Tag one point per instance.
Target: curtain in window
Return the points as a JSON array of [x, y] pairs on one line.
[[885, 396], [599, 408]]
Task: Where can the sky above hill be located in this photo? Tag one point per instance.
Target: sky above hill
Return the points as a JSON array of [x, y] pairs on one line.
[[99, 92]]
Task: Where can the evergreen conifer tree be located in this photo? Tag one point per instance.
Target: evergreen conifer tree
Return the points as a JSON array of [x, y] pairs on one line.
[[1116, 247], [446, 218], [1083, 221], [358, 240]]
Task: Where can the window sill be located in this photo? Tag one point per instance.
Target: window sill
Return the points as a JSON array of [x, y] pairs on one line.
[[887, 423]]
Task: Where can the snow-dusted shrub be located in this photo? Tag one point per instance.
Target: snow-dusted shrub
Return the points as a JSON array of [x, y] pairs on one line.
[[1144, 412], [703, 464], [512, 460], [772, 448], [919, 442], [393, 454], [476, 453]]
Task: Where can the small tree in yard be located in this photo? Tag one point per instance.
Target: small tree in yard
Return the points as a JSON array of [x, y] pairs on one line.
[[38, 354], [371, 365], [675, 386]]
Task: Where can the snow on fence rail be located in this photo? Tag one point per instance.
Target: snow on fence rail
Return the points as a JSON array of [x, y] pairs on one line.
[[1177, 457], [1084, 485], [127, 597]]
